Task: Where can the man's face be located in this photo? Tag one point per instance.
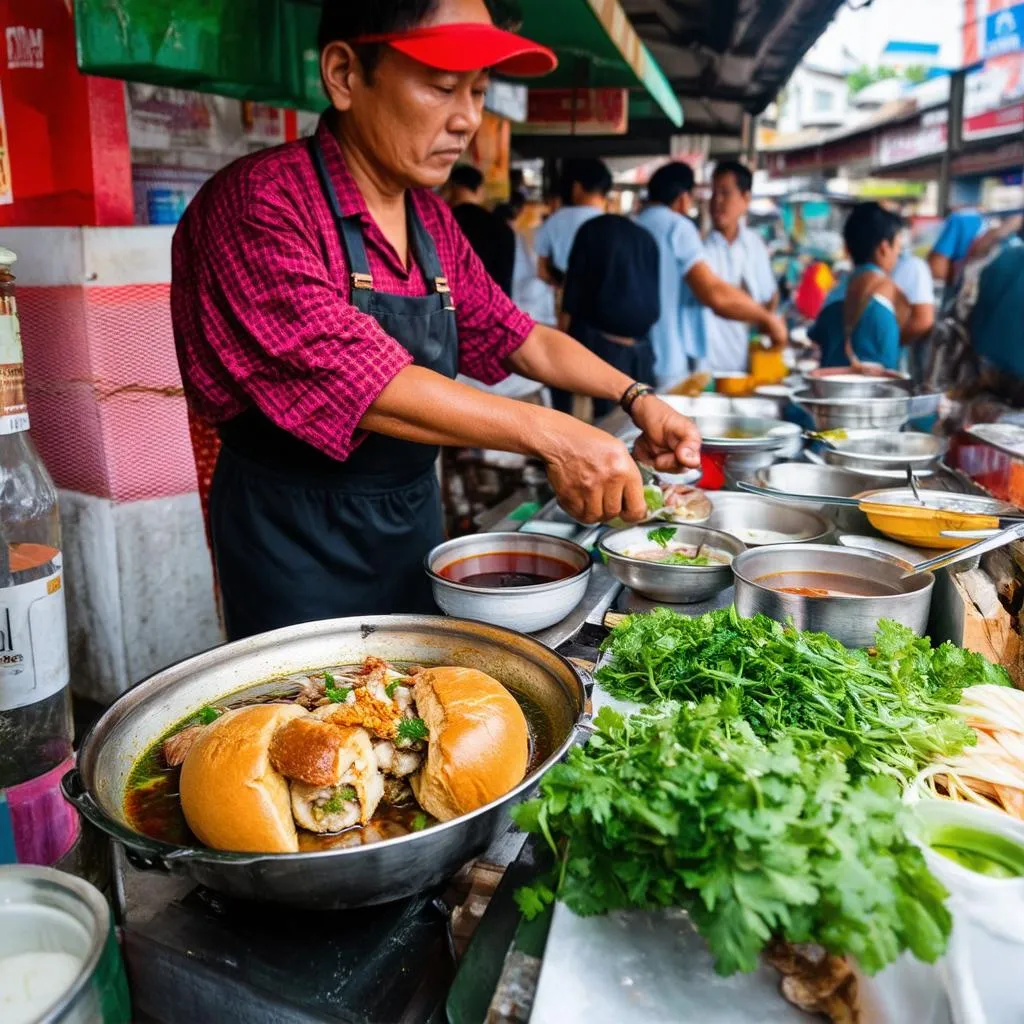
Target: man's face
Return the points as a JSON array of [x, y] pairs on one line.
[[728, 203], [414, 122], [888, 253]]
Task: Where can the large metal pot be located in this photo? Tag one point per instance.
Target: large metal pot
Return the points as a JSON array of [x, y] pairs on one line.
[[348, 877], [851, 620], [888, 413]]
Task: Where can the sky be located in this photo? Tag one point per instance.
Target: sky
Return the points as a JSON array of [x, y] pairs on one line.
[[865, 32]]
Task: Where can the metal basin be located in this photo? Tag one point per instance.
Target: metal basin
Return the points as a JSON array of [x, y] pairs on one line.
[[879, 413], [820, 482], [851, 620], [736, 435], [772, 522], [526, 609], [885, 451], [844, 383], [673, 584], [348, 877]]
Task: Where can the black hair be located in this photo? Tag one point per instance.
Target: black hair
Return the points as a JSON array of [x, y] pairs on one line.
[[592, 175], [668, 183], [867, 227], [467, 176], [742, 174], [343, 20]]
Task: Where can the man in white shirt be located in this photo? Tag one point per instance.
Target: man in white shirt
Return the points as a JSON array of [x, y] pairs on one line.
[[590, 182], [738, 256], [688, 287], [913, 277]]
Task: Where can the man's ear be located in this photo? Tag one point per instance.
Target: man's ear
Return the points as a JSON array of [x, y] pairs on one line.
[[339, 67]]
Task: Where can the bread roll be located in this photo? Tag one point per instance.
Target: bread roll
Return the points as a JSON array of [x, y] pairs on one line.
[[317, 753], [232, 797], [479, 741]]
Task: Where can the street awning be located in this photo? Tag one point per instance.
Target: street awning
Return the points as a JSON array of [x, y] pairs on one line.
[[597, 47]]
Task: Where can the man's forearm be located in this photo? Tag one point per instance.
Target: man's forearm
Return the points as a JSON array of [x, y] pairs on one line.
[[421, 405], [555, 359]]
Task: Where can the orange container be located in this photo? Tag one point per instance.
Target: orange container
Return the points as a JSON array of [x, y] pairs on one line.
[[767, 365], [735, 385]]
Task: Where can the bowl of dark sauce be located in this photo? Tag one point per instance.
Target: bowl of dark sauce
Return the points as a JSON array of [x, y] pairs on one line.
[[525, 581]]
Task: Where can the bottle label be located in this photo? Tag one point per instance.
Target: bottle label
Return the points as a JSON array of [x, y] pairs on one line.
[[33, 642], [13, 410]]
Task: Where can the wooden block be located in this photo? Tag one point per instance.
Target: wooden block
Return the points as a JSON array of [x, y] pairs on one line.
[[988, 628], [612, 619]]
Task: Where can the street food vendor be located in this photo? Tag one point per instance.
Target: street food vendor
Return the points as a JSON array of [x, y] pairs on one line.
[[323, 299]]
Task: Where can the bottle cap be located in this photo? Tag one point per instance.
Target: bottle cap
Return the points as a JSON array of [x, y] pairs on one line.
[[7, 257]]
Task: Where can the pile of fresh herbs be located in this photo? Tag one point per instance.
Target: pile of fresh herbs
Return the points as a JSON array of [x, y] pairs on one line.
[[686, 807], [886, 710]]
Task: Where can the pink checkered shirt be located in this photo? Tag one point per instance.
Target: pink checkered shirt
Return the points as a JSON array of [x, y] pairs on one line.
[[260, 299]]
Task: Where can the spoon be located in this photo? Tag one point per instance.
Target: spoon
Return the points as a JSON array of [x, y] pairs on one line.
[[912, 484], [1001, 539]]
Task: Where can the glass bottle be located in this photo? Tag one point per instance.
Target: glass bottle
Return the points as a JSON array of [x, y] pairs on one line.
[[36, 729]]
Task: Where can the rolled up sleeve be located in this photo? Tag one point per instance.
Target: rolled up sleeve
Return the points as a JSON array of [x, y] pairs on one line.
[[490, 325], [283, 330]]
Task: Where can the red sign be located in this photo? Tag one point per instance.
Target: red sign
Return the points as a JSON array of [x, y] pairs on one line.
[[1007, 121], [903, 145], [577, 111]]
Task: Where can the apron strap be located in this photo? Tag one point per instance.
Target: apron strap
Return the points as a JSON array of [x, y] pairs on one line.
[[425, 254], [361, 280]]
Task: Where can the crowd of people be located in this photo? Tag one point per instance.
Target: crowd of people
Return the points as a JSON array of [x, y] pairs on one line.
[[656, 299]]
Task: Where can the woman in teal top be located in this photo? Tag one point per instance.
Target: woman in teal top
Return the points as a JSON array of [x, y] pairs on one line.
[[859, 321]]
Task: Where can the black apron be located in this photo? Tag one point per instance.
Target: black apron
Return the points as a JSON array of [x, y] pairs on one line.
[[299, 536]]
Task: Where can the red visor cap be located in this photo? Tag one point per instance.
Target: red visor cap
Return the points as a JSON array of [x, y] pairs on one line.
[[470, 46]]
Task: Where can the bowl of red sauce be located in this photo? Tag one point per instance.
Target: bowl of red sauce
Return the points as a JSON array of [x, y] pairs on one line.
[[524, 581]]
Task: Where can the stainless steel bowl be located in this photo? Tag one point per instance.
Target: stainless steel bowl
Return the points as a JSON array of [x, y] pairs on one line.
[[882, 413], [330, 879], [709, 405], [884, 451], [526, 609], [737, 514], [820, 482], [851, 620], [736, 435], [826, 384], [673, 584]]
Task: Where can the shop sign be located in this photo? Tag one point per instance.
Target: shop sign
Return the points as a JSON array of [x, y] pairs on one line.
[[24, 47], [507, 100], [577, 112], [1004, 31], [992, 123], [902, 145], [6, 185]]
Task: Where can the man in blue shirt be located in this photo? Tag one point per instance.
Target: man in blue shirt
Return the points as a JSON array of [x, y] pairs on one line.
[[997, 321], [687, 284], [962, 227], [859, 321], [589, 184]]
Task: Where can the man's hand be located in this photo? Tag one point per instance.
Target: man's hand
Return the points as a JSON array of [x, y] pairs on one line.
[[670, 441], [776, 329], [594, 476]]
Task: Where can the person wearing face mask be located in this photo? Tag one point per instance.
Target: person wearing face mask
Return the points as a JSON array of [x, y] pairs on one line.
[[863, 316], [738, 256], [323, 299]]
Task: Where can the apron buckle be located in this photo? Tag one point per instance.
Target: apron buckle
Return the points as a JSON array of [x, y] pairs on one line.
[[441, 287], [362, 281]]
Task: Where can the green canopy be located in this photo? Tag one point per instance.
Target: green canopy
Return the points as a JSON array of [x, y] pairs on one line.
[[597, 47]]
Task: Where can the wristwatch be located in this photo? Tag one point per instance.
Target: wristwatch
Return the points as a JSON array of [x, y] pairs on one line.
[[631, 394]]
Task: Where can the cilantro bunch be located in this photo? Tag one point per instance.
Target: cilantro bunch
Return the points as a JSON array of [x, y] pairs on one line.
[[887, 712], [687, 807]]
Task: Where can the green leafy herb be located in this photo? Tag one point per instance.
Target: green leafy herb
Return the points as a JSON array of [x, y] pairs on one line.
[[887, 711], [412, 729], [682, 806], [208, 714], [678, 558], [391, 687], [662, 535], [341, 796], [419, 821], [653, 497], [335, 694]]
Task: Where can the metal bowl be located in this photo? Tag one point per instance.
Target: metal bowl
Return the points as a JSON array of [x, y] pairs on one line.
[[331, 879], [736, 514], [884, 450], [526, 609], [709, 405], [851, 620], [881, 412], [843, 382], [673, 584], [820, 482], [744, 434]]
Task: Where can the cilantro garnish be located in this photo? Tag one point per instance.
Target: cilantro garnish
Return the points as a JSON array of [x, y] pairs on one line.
[[335, 694], [413, 729], [662, 535], [208, 714]]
